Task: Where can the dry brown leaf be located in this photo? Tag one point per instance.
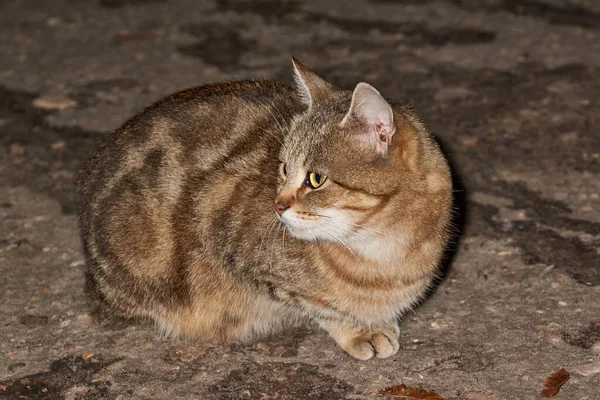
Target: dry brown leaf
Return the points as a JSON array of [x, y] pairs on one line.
[[405, 392], [553, 383]]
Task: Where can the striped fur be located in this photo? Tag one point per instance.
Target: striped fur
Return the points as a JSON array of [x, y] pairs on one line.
[[178, 225]]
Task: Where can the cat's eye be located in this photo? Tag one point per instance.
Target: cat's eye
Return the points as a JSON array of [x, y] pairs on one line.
[[282, 170], [315, 180]]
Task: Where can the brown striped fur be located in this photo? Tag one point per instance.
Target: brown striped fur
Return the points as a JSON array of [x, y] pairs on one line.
[[178, 225]]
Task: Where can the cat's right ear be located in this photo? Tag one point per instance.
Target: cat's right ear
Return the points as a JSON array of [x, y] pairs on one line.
[[310, 86]]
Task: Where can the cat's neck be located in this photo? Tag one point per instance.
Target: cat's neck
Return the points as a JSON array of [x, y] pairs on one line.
[[378, 247]]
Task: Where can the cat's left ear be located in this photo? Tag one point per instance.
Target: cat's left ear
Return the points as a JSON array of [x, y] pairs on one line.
[[371, 108], [310, 86]]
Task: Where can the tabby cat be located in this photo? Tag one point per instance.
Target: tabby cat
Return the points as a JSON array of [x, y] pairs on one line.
[[231, 210]]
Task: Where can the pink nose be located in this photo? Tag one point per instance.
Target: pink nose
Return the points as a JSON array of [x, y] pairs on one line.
[[280, 207]]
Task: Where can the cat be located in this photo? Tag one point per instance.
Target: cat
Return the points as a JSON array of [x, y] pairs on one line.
[[228, 211]]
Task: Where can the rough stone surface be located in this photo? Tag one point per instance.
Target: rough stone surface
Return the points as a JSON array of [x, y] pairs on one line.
[[509, 87]]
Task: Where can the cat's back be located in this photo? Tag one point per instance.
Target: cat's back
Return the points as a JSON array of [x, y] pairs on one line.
[[174, 147], [184, 136], [198, 126]]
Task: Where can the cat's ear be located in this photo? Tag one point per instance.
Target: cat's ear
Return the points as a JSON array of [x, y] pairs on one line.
[[311, 87], [369, 107]]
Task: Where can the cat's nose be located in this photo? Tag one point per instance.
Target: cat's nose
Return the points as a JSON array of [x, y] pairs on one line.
[[281, 206]]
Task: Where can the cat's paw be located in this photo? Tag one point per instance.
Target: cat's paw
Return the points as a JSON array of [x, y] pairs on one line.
[[364, 343], [374, 343]]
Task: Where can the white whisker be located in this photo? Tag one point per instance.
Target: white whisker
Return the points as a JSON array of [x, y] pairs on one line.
[[278, 125], [262, 236], [333, 223], [359, 226], [273, 245], [344, 244]]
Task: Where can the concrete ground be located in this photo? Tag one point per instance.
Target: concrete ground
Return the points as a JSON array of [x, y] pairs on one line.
[[510, 88]]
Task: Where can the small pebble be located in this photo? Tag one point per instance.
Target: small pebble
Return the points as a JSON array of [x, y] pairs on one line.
[[262, 348], [53, 102], [84, 319], [58, 145], [588, 369], [87, 355], [53, 22], [77, 263], [480, 394]]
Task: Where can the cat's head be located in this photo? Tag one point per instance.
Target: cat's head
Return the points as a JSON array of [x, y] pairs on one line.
[[342, 161]]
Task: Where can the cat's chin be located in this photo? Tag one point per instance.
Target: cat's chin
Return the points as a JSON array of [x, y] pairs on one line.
[[311, 230], [306, 233], [310, 235]]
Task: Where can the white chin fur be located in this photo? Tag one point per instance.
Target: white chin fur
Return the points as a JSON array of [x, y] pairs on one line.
[[336, 226], [299, 228], [332, 226]]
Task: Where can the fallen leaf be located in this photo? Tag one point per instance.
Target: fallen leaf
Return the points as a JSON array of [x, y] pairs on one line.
[[553, 383], [404, 392]]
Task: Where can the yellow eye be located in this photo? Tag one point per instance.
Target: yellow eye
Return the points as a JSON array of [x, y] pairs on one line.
[[315, 180]]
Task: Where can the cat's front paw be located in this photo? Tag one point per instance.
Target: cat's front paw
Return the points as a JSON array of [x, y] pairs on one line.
[[381, 344], [363, 343]]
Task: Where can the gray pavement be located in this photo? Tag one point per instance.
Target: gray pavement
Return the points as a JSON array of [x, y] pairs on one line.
[[509, 87]]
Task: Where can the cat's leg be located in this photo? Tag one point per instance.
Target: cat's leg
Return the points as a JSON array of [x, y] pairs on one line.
[[362, 342]]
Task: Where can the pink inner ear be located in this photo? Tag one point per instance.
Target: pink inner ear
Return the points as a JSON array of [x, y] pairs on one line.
[[369, 106], [381, 136]]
